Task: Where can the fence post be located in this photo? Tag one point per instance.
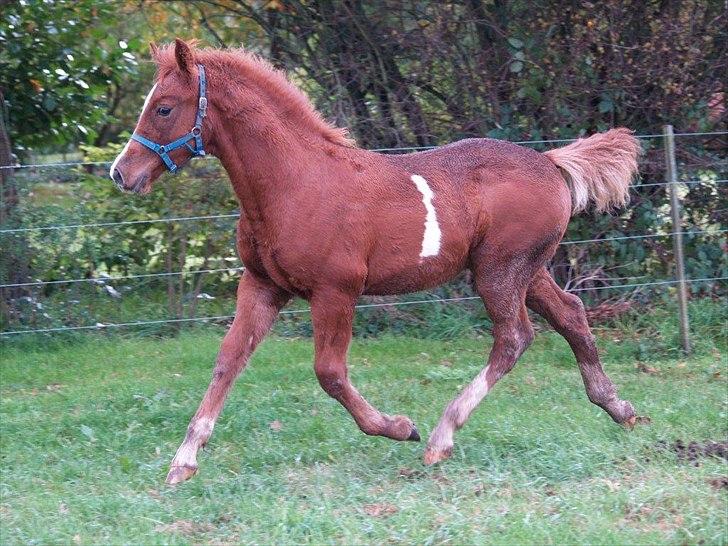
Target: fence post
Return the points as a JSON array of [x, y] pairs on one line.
[[677, 241]]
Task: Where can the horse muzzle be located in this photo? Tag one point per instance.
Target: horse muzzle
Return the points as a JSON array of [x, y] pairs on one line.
[[139, 186]]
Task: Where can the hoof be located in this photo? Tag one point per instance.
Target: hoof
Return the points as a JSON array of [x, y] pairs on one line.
[[433, 456], [179, 474], [414, 435]]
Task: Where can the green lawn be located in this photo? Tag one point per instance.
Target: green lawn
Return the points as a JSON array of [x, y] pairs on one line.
[[88, 428]]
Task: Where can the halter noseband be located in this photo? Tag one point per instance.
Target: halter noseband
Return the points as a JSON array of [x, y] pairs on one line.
[[162, 150]]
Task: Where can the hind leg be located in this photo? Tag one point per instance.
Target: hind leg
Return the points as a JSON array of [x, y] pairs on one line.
[[565, 313], [503, 290]]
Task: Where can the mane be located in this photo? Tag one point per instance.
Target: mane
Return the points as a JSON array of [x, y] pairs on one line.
[[266, 76]]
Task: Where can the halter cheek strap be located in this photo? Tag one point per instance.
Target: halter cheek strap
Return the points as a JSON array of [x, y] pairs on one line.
[[162, 150]]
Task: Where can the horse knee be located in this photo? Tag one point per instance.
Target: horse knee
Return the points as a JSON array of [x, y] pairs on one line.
[[226, 364]]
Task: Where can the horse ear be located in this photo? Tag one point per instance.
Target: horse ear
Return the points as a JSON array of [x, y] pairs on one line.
[[154, 50], [183, 54]]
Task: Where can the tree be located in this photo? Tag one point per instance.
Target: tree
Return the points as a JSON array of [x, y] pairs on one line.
[[58, 61]]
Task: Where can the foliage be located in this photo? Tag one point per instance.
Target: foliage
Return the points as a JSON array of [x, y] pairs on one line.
[[401, 73], [89, 429], [424, 73], [58, 62], [135, 248], [396, 73]]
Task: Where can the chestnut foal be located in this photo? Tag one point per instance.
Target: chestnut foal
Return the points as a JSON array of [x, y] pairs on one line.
[[328, 222]]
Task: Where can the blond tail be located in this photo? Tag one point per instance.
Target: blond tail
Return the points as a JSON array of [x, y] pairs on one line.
[[599, 168]]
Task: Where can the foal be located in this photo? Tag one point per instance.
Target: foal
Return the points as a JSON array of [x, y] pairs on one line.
[[328, 222]]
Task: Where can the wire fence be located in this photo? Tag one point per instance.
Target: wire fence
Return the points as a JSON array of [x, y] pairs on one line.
[[111, 279], [101, 326], [237, 214], [381, 150], [106, 280]]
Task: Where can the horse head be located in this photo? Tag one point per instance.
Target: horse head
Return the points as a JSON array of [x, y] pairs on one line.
[[169, 130]]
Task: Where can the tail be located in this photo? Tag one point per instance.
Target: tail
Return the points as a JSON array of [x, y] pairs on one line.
[[599, 168]]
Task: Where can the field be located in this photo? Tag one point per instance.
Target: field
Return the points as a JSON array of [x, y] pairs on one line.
[[89, 426]]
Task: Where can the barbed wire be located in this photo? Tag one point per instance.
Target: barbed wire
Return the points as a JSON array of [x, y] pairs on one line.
[[111, 279], [237, 214], [397, 149], [101, 326]]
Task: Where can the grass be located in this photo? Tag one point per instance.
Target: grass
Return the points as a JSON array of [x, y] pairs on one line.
[[89, 426]]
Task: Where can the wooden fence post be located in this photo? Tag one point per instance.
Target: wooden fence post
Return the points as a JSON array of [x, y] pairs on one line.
[[677, 240]]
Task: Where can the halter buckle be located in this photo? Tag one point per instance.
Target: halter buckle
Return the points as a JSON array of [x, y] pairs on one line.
[[203, 106]]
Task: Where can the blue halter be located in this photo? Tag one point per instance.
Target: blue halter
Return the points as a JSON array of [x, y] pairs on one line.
[[162, 150]]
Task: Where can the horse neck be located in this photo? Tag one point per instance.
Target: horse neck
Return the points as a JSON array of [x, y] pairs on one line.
[[263, 155]]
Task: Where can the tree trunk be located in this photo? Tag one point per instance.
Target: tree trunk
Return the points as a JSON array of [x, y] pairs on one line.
[[13, 260]]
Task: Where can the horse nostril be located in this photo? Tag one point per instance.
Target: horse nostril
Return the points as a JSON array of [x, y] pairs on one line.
[[118, 179]]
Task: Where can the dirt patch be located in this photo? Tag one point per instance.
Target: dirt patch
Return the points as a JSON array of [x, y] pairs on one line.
[[694, 451], [720, 482], [410, 474], [185, 527]]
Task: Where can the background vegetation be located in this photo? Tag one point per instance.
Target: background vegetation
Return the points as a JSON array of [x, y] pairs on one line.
[[398, 74]]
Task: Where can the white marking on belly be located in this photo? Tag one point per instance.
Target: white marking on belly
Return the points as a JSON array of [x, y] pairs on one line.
[[432, 234], [126, 146]]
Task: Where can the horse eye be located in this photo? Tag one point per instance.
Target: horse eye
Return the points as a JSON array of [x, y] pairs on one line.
[[164, 111]]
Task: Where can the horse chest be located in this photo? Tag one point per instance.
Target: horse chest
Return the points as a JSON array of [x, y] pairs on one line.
[[264, 256]]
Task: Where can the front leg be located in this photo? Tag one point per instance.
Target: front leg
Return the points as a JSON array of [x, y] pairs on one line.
[[258, 304], [332, 313]]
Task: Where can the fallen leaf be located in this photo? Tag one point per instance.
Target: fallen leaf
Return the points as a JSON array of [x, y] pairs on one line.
[[276, 425], [644, 368], [720, 482], [380, 510]]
